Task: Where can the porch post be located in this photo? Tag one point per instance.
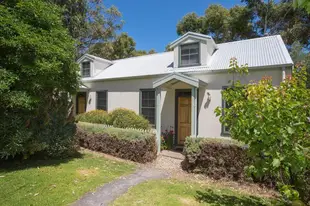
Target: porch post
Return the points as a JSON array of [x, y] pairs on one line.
[[158, 118], [194, 112]]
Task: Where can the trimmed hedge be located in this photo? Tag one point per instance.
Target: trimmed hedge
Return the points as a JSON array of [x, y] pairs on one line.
[[121, 118], [135, 145], [215, 157]]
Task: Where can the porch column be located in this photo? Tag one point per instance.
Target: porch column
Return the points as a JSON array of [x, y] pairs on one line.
[[194, 112], [283, 74], [158, 118]]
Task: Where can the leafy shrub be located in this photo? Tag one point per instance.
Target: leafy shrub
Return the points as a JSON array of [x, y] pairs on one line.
[[274, 122], [37, 66], [124, 118], [215, 157], [94, 116], [138, 146]]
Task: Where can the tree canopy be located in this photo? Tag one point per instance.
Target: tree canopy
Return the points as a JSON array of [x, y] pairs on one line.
[[37, 71], [256, 18]]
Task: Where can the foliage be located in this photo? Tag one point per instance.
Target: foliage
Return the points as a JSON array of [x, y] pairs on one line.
[[215, 157], [94, 116], [125, 118], [302, 4], [221, 23], [37, 70], [167, 137], [139, 146], [274, 122], [122, 47], [272, 17], [189, 192], [257, 18], [90, 21], [57, 181]]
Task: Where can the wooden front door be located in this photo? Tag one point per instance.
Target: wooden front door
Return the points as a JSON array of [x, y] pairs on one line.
[[184, 118], [81, 103]]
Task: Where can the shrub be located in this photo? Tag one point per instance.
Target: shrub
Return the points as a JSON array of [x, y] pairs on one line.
[[135, 145], [215, 157], [124, 118], [274, 122], [94, 116]]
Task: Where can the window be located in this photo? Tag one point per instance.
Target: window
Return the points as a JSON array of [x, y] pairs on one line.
[[147, 105], [85, 69], [225, 129], [102, 100], [190, 54]]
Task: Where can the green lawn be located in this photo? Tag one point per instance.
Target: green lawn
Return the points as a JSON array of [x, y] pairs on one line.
[[56, 182], [173, 192]]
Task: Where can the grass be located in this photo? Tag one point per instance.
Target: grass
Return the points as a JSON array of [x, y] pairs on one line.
[[173, 192], [57, 182]]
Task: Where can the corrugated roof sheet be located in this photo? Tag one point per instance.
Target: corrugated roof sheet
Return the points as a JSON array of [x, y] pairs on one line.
[[260, 52]]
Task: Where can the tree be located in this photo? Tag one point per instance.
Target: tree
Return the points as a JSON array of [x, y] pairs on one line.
[[90, 21], [220, 23], [37, 72], [191, 22], [271, 18], [168, 48], [122, 47], [274, 123], [152, 51]]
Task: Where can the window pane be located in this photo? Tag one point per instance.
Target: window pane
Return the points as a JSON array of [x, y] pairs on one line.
[[149, 114], [194, 59], [194, 51], [102, 100], [184, 51], [184, 60]]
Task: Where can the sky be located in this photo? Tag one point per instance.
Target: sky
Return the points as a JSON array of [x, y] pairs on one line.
[[152, 23]]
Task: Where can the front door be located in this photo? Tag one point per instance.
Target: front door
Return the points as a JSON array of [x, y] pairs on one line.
[[81, 102], [184, 118]]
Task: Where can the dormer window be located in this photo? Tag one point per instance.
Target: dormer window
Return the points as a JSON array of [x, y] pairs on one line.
[[190, 55], [85, 69]]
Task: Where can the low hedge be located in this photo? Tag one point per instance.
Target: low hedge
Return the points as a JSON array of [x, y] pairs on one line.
[[121, 118], [135, 145], [215, 157]]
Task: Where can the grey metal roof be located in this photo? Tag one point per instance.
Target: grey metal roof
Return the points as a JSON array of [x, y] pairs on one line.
[[264, 53]]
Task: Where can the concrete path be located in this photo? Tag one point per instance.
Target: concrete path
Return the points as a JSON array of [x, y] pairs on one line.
[[109, 192]]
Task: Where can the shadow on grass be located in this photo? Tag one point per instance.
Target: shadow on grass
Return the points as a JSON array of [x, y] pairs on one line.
[[18, 163], [210, 197]]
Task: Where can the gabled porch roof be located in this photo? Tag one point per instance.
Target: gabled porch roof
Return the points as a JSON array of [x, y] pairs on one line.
[[175, 77]]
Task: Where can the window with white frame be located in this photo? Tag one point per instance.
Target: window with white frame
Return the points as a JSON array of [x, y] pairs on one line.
[[85, 70], [102, 100], [147, 104], [190, 54]]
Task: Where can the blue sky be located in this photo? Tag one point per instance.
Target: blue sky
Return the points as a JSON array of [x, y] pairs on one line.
[[152, 24]]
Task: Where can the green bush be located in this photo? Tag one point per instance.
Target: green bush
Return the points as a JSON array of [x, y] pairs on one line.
[[274, 122], [124, 118], [95, 116], [37, 66], [215, 157], [131, 144]]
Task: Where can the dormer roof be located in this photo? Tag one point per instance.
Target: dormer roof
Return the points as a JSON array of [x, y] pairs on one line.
[[192, 35]]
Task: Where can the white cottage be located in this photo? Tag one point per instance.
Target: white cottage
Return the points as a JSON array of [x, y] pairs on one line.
[[179, 89]]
